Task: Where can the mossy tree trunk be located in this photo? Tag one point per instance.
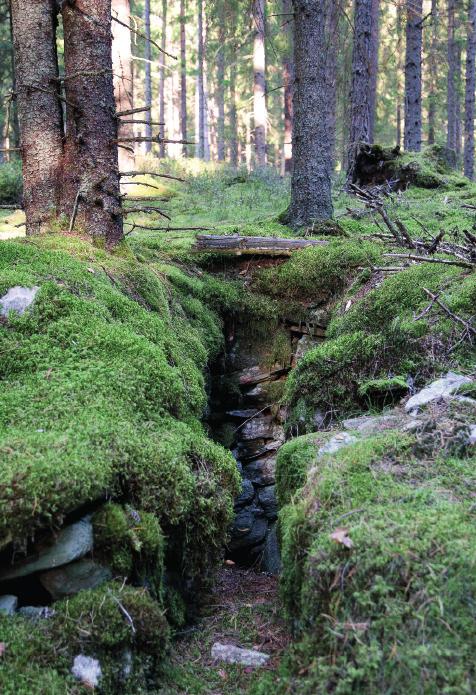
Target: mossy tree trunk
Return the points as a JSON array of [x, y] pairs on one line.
[[315, 25], [91, 173], [39, 108], [412, 134]]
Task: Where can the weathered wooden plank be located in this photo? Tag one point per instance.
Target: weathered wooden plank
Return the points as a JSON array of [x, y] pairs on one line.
[[239, 245]]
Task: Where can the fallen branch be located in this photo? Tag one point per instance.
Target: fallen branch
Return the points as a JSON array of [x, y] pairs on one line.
[[130, 112], [147, 185], [238, 245], [75, 211], [167, 229], [424, 259], [150, 173], [146, 210], [470, 237], [436, 300]]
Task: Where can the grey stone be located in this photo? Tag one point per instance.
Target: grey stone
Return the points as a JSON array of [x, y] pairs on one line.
[[251, 534], [242, 414], [8, 604], [472, 435], [261, 472], [71, 543], [17, 299], [368, 425], [36, 612], [305, 344], [271, 558], [338, 441], [267, 499], [441, 388], [235, 655], [87, 670], [75, 577], [260, 428], [247, 494]]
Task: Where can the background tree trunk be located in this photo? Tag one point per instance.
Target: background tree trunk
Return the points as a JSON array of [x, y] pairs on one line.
[[374, 45], [399, 74], [148, 76], [123, 80], [454, 71], [412, 139], [363, 77], [433, 70], [288, 78], [259, 82], [163, 45], [233, 116], [40, 113], [90, 165], [315, 25], [470, 93], [183, 77], [200, 83], [220, 91]]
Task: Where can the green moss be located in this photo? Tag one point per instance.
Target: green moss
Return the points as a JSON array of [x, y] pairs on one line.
[[395, 605], [318, 273], [384, 391], [10, 183], [294, 460]]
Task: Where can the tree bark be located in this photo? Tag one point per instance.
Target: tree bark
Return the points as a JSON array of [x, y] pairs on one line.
[[433, 70], [288, 75], [259, 82], [470, 93], [123, 79], [39, 108], [233, 116], [453, 139], [90, 175], [374, 47], [183, 77], [220, 91], [315, 26], [412, 136], [200, 82], [363, 77], [399, 73], [148, 76], [163, 45]]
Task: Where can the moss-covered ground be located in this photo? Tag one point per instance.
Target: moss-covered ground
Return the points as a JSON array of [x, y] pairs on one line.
[[103, 397]]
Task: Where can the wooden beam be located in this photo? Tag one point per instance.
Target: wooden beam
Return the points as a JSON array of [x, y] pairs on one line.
[[246, 245]]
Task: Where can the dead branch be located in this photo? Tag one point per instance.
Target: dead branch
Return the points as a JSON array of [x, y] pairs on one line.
[[133, 183], [435, 243], [166, 229], [150, 173], [146, 210], [155, 138], [10, 207], [10, 149], [140, 199], [75, 210], [238, 245], [470, 237], [424, 259], [136, 122], [131, 112], [143, 36], [436, 300]]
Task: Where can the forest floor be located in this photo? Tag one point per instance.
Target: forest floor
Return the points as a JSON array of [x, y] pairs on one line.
[[243, 609]]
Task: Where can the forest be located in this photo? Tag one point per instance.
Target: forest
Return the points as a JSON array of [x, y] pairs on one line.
[[237, 347]]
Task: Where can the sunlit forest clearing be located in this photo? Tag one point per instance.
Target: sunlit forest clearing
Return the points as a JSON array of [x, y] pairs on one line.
[[237, 347]]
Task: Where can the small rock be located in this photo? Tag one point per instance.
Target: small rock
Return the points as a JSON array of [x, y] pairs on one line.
[[252, 533], [71, 543], [441, 388], [36, 612], [75, 577], [87, 670], [368, 425], [247, 494], [8, 604], [271, 558], [235, 655], [259, 428], [261, 472], [267, 499], [338, 441], [17, 299]]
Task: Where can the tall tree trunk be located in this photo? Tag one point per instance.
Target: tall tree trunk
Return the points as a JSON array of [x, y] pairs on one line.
[[288, 78], [40, 113], [399, 74], [412, 140], [470, 93], [123, 80], [163, 45], [259, 82], [433, 69], [183, 77], [454, 72], [91, 166], [233, 116], [315, 26], [200, 82], [220, 91], [148, 76], [363, 77], [374, 46]]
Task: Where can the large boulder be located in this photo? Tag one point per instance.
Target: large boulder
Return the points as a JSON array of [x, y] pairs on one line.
[[439, 389], [17, 299], [75, 577]]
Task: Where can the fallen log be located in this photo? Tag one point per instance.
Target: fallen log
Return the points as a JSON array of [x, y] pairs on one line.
[[239, 245]]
